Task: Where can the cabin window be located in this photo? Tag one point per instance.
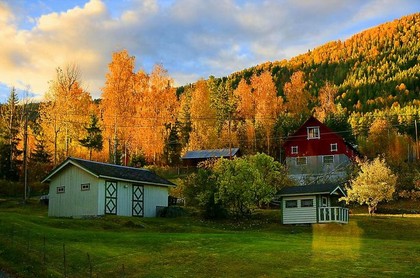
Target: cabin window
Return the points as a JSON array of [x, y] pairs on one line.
[[291, 204], [301, 161], [61, 189], [85, 186], [307, 203], [334, 147], [313, 132], [294, 149], [328, 159]]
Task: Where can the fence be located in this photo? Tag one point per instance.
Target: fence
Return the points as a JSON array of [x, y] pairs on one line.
[[38, 255]]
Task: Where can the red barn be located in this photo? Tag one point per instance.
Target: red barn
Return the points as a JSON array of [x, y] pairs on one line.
[[316, 152]]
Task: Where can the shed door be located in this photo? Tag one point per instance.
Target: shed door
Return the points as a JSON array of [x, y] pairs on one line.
[[110, 197], [138, 200]]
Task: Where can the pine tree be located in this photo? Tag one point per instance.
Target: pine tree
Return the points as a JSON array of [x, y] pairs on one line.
[[11, 119], [93, 139]]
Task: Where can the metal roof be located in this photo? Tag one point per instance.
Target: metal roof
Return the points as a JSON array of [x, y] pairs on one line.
[[215, 153], [317, 189], [111, 171]]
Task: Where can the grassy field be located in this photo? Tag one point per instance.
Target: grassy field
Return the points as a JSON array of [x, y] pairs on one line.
[[33, 245]]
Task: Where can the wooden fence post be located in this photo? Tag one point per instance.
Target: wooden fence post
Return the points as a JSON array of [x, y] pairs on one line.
[[64, 260]]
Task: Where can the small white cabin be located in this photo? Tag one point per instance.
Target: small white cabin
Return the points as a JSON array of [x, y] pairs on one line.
[[79, 188], [315, 203]]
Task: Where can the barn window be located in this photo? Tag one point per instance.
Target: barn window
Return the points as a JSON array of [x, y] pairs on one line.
[[307, 203], [294, 149], [291, 204], [301, 160], [334, 147], [313, 132], [61, 189], [328, 159], [85, 186]]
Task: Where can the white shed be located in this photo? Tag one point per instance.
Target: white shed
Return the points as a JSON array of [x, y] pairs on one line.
[[79, 187], [315, 203]]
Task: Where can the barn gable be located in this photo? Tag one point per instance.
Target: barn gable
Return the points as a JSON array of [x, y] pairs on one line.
[[315, 152]]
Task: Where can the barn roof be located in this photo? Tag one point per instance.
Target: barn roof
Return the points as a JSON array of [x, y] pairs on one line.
[[111, 171], [214, 153], [317, 189]]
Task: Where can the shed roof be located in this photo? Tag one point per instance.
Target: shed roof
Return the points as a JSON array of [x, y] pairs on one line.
[[317, 189], [111, 171], [214, 153]]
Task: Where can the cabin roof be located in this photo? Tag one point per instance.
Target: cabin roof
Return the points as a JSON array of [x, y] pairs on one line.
[[214, 153], [111, 171], [313, 189]]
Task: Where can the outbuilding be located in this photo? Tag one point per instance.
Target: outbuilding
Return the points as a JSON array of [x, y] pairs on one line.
[[315, 203], [79, 188], [193, 158]]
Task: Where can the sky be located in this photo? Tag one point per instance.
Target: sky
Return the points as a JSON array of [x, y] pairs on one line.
[[192, 39]]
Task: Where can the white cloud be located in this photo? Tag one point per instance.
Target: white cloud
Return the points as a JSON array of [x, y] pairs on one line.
[[191, 38]]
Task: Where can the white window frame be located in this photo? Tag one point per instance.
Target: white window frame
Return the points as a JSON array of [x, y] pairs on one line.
[[313, 132], [85, 187], [334, 147], [291, 201], [295, 149], [307, 206], [327, 156], [61, 189], [302, 157]]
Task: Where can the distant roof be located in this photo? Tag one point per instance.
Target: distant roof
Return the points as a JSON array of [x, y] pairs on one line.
[[317, 189], [111, 171], [215, 153]]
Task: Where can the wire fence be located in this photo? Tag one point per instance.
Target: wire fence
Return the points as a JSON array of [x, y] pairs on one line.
[[39, 255]]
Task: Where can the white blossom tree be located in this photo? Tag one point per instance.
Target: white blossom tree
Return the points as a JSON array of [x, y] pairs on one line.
[[374, 183]]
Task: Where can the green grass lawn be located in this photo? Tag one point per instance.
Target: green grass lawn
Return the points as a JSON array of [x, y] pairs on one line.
[[191, 247]]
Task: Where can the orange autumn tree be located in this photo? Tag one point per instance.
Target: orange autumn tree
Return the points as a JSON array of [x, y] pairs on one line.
[[246, 110], [298, 99], [203, 119], [117, 104], [157, 114], [268, 104], [326, 100], [63, 113]]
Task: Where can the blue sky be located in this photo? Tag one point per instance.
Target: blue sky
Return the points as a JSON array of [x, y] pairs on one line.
[[192, 38]]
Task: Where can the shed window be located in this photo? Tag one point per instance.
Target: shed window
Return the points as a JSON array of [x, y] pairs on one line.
[[291, 204], [301, 160], [61, 189], [307, 203], [85, 186], [313, 132], [334, 147], [294, 149], [328, 159]]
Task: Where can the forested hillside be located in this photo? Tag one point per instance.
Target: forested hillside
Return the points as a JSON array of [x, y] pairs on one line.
[[372, 69]]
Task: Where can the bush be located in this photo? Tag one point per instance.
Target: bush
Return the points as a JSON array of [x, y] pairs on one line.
[[172, 212], [11, 189]]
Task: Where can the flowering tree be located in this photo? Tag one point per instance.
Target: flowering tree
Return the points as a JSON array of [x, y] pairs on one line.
[[374, 183]]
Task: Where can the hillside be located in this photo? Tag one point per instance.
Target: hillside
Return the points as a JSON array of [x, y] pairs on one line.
[[372, 69]]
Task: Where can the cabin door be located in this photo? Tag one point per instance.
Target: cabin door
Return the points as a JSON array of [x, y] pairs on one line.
[[110, 197], [138, 200]]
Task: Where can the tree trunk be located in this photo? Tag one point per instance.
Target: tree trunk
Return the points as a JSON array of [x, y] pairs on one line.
[[371, 210]]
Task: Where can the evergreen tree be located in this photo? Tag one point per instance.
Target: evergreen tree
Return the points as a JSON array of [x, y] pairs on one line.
[[93, 139], [11, 119], [39, 161]]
